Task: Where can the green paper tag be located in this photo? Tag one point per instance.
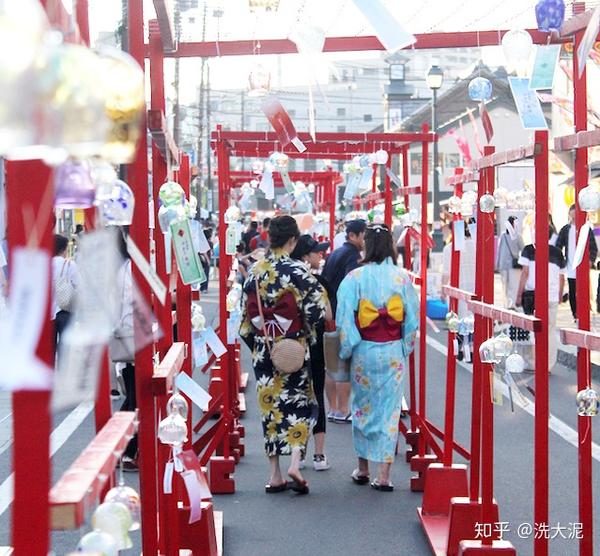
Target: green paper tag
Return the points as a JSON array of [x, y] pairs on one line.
[[188, 262], [231, 240]]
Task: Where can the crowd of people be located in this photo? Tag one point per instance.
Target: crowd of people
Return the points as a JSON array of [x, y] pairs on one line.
[[360, 292]]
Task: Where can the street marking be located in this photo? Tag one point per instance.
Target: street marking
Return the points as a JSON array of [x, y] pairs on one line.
[[58, 437], [566, 432]]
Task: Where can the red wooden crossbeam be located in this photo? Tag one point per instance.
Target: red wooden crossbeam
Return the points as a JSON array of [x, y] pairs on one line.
[[165, 24], [408, 190], [77, 490], [580, 338], [324, 137], [576, 23], [164, 374], [462, 39], [237, 178], [504, 157], [374, 197], [415, 278], [506, 316], [455, 445], [157, 125], [457, 293], [463, 178], [577, 140]]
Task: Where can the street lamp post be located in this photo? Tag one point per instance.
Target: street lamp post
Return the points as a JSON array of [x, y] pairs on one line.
[[435, 78]]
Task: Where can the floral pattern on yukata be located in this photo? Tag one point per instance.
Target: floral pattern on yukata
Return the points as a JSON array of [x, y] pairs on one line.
[[287, 403], [378, 368]]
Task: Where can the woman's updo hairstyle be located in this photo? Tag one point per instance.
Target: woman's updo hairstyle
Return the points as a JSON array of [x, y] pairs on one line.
[[378, 244], [281, 229]]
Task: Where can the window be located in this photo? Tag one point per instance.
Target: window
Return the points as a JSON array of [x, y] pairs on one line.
[[341, 128], [397, 71], [310, 165], [367, 117], [292, 165], [370, 71], [291, 112], [341, 111]]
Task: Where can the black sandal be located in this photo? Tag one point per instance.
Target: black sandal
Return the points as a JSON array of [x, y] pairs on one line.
[[359, 479], [272, 489], [382, 488], [299, 486]]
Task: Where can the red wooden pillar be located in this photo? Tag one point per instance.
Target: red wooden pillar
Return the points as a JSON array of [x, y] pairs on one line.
[[584, 424], [388, 195], [137, 174], [331, 195], [487, 407], [227, 367], [408, 265], [542, 414], [159, 176], [82, 16], [26, 184], [451, 360], [423, 306]]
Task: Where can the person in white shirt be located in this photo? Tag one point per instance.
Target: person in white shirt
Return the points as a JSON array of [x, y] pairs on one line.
[[63, 269], [567, 240], [466, 281], [526, 294]]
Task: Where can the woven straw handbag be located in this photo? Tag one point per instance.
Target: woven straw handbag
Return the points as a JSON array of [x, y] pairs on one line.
[[287, 354]]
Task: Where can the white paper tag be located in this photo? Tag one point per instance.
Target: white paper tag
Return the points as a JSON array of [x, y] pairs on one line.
[[193, 390], [79, 361], [393, 178], [176, 460], [214, 342], [145, 326], [582, 241], [168, 478], [233, 325], [388, 29], [99, 293], [192, 485], [200, 352], [467, 350], [300, 146], [168, 252], [366, 179], [20, 331], [473, 231], [149, 274], [203, 245], [266, 184], [151, 221], [459, 235]]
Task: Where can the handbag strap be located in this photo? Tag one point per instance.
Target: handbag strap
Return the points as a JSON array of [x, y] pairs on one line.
[[262, 316]]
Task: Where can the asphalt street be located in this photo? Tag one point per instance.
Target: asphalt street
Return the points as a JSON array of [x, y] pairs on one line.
[[340, 518]]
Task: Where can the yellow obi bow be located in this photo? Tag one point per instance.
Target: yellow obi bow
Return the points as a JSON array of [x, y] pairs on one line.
[[367, 312]]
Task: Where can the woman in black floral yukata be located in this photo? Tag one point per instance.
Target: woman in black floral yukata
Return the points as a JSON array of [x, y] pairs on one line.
[[296, 303]]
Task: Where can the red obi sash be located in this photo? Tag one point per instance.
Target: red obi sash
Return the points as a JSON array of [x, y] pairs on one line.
[[382, 324], [282, 319]]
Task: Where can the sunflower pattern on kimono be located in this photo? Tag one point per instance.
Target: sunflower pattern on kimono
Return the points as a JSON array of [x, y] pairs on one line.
[[286, 403], [377, 368]]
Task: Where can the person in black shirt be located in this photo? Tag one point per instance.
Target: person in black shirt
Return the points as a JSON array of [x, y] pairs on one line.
[[249, 234], [341, 261], [310, 251]]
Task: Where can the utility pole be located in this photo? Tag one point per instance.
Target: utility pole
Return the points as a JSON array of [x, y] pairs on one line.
[[176, 114], [209, 186], [243, 106], [199, 148]]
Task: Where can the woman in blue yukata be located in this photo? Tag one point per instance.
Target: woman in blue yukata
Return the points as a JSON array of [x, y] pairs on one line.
[[377, 316]]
